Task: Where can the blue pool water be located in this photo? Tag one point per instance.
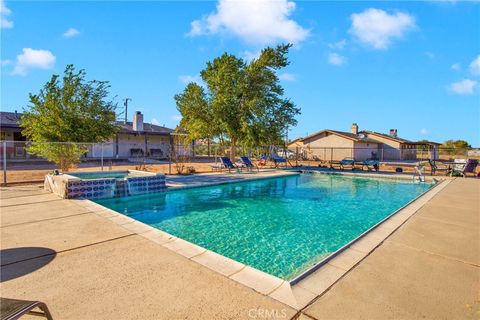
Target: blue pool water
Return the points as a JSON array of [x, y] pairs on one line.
[[281, 226]]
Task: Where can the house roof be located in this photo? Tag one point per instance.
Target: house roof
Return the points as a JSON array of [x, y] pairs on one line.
[[147, 128], [10, 119], [347, 135], [363, 136], [386, 136]]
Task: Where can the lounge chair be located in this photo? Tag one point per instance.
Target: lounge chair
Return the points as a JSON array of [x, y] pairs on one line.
[[469, 167], [342, 164], [247, 163], [228, 164], [370, 164], [262, 161], [277, 159], [434, 167], [217, 166], [11, 309]]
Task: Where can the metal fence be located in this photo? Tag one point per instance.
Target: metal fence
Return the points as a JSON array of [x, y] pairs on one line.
[[19, 164]]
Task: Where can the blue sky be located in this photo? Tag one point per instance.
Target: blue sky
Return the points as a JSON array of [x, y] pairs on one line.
[[414, 66]]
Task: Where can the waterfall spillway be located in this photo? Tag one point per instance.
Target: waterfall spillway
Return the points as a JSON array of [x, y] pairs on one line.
[[102, 185], [121, 188]]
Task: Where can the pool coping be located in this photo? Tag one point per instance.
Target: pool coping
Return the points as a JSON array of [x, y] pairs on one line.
[[298, 292]]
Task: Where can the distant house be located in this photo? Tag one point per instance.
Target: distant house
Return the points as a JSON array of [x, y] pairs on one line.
[[360, 145], [134, 139]]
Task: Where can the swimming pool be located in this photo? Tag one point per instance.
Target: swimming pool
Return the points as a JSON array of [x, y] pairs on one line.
[[281, 226]]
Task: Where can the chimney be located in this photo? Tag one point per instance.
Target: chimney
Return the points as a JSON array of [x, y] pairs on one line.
[[137, 121], [393, 133], [354, 128]]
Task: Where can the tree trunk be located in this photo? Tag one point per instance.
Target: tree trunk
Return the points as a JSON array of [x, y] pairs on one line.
[[232, 147]]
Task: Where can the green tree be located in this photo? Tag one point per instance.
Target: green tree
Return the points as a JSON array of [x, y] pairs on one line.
[[456, 146], [243, 102], [67, 112]]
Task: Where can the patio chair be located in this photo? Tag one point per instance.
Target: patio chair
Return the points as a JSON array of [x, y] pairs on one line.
[[277, 159], [228, 164], [370, 164], [11, 309], [434, 167], [217, 166], [469, 167], [342, 164], [247, 163], [262, 161]]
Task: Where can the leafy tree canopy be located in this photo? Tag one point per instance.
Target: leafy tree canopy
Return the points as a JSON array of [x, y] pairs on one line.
[[68, 109], [456, 144], [242, 102]]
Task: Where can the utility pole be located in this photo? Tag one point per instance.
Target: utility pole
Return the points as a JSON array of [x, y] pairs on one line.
[[125, 103]]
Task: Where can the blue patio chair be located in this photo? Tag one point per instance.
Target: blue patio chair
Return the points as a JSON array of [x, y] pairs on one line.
[[277, 159], [228, 164], [247, 163], [342, 164], [371, 164]]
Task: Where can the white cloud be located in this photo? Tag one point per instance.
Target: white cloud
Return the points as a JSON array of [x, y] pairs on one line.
[[455, 67], [255, 21], [176, 117], [186, 79], [4, 13], [424, 132], [287, 76], [5, 62], [71, 32], [475, 66], [339, 45], [33, 59], [155, 122], [464, 87], [378, 28], [336, 59]]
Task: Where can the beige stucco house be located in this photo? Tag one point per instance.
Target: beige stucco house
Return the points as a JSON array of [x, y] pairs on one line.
[[359, 145]]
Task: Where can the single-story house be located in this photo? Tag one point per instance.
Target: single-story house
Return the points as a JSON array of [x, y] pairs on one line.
[[134, 139], [360, 145]]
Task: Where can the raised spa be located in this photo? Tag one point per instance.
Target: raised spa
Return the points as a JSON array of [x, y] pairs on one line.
[[104, 184]]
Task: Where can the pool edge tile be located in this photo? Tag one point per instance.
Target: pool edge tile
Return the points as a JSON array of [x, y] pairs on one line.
[[184, 248], [257, 280], [218, 263], [158, 236], [321, 279], [294, 296], [366, 244], [121, 219], [347, 259], [137, 227]]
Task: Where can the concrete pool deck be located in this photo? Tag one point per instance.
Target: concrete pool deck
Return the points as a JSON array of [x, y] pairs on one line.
[[85, 266]]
